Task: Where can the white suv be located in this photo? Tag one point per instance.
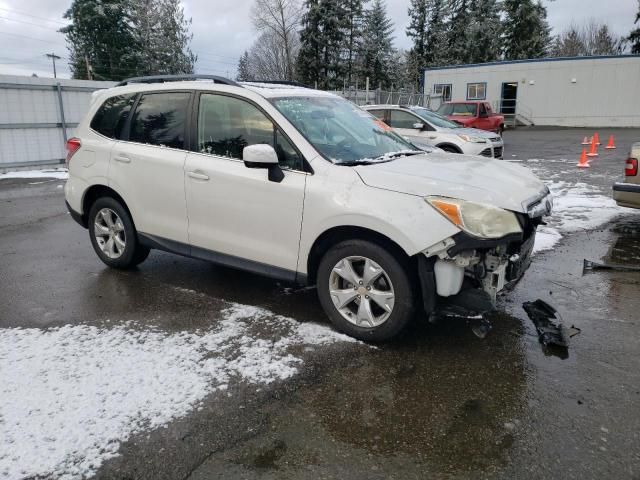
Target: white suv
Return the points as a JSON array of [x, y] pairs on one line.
[[302, 186], [418, 124]]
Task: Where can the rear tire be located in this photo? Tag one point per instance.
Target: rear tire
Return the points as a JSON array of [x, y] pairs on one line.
[[357, 271], [113, 235]]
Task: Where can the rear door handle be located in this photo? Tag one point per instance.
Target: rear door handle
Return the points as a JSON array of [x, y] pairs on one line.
[[122, 159], [198, 175]]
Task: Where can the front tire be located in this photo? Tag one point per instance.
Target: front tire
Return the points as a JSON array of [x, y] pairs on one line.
[[449, 149], [365, 290], [113, 235]]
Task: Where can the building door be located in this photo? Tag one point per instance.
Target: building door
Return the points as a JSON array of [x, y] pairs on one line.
[[509, 98]]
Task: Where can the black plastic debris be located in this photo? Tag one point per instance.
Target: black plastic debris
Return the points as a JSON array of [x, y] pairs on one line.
[[548, 322], [471, 305], [589, 265]]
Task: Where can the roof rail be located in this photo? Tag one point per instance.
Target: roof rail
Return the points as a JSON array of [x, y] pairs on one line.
[[279, 82], [177, 78]]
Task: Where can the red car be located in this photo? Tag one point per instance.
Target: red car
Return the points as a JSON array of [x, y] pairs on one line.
[[473, 114]]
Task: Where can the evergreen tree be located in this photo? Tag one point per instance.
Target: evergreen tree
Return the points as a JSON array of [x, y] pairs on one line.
[[634, 37], [377, 45], [125, 38], [100, 33], [428, 30], [458, 39], [568, 44], [244, 72], [353, 38], [526, 30], [321, 39], [485, 30]]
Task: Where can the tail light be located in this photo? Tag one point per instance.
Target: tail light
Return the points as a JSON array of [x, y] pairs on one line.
[[631, 167], [73, 145]]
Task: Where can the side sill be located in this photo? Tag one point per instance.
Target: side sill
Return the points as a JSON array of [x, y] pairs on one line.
[[223, 259]]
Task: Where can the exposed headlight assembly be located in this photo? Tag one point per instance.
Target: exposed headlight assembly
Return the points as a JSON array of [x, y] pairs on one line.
[[477, 219], [472, 139]]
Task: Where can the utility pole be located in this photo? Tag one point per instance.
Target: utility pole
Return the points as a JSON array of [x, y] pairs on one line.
[[53, 57], [86, 61]]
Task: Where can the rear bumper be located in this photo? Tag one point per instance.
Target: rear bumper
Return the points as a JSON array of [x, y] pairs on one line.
[[79, 219], [627, 194]]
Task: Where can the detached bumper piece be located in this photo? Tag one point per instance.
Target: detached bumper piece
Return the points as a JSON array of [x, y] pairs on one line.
[[552, 332]]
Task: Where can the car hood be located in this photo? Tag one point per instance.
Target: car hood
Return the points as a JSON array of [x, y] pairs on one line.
[[475, 132], [466, 177]]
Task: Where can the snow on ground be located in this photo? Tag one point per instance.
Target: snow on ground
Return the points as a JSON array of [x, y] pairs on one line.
[[59, 173], [70, 395], [577, 206]]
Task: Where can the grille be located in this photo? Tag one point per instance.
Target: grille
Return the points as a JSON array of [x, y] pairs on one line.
[[486, 153], [497, 152]]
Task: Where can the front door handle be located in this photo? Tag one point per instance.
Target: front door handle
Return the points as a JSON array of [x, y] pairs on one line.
[[432, 137], [198, 175], [122, 158]]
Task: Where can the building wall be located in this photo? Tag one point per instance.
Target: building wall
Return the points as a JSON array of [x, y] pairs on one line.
[[581, 92], [31, 130]]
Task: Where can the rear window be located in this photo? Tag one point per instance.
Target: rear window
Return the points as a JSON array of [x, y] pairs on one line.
[[111, 117], [159, 119]]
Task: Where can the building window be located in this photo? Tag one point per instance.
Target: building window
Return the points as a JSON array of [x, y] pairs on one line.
[[476, 91], [443, 89]]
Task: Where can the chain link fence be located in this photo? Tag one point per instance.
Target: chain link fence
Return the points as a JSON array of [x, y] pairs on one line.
[[390, 97]]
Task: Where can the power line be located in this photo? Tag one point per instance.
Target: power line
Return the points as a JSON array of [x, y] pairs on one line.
[[30, 23], [21, 12]]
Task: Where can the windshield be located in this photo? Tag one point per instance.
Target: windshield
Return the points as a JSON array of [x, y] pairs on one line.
[[342, 132], [434, 118], [461, 109]]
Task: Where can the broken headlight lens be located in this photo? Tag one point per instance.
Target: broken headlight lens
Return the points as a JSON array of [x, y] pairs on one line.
[[472, 139], [477, 219]]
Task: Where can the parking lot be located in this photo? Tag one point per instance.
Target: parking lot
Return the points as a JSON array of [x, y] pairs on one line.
[[182, 369]]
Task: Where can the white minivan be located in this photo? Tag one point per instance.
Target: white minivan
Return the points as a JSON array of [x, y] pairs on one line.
[[302, 186], [419, 124]]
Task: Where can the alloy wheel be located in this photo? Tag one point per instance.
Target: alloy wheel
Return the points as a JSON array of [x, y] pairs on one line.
[[361, 291], [109, 232]]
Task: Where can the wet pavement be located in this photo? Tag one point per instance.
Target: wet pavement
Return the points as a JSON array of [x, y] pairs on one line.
[[438, 402]]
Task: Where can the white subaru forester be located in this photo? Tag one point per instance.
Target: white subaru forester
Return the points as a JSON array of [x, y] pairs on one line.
[[302, 186]]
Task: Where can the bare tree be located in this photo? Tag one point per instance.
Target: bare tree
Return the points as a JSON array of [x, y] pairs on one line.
[[280, 20], [592, 38], [267, 61]]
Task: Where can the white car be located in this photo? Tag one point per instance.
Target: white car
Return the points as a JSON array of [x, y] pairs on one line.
[[419, 124], [302, 186]]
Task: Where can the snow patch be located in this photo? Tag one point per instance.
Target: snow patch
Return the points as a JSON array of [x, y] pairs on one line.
[[59, 173], [70, 395]]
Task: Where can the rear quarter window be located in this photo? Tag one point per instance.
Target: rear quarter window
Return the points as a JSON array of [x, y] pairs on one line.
[[112, 115], [160, 119]]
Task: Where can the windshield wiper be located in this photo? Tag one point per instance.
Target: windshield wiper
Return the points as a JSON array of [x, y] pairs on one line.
[[387, 157]]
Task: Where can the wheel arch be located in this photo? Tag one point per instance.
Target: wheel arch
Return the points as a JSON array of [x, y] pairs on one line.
[[95, 192], [338, 234], [445, 145]]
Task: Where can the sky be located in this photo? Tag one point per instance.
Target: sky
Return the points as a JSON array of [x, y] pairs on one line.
[[222, 30]]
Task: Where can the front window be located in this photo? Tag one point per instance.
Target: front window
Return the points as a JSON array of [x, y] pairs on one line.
[[340, 131], [476, 91], [458, 109], [434, 119]]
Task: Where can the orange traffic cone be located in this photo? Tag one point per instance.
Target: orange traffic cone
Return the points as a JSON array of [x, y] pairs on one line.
[[583, 163], [611, 145], [593, 151], [597, 137], [586, 141]]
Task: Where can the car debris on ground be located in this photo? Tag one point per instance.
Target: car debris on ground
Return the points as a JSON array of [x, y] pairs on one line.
[[551, 329], [589, 265]]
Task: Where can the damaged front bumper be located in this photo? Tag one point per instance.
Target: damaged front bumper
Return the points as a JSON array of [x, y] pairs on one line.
[[463, 263]]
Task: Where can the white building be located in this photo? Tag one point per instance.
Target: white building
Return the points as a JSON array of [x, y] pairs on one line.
[[573, 92]]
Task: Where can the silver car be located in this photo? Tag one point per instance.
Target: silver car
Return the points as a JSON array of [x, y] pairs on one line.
[[419, 124]]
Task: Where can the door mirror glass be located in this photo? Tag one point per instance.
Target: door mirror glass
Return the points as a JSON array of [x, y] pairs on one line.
[[418, 126], [260, 155]]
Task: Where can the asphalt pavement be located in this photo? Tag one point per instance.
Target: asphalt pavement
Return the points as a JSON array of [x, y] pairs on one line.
[[438, 402]]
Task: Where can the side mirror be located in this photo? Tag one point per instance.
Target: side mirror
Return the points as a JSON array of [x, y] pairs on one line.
[[263, 156], [418, 126]]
